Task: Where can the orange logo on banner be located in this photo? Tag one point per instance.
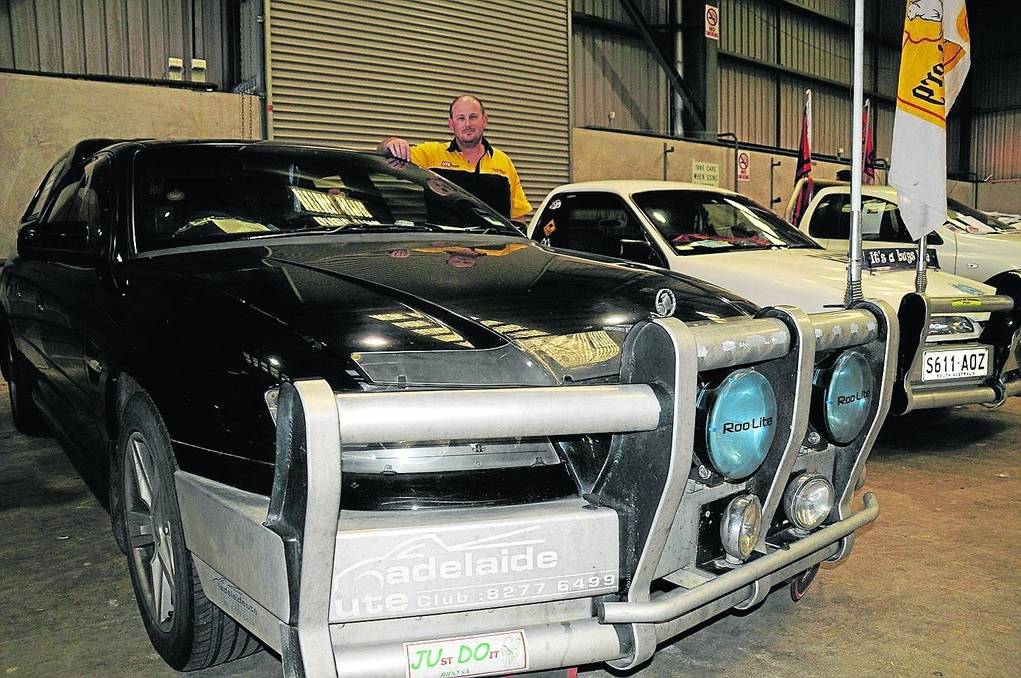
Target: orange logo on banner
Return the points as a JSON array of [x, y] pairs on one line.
[[926, 60]]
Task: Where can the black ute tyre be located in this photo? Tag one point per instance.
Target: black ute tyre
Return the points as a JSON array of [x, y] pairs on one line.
[[187, 630], [27, 417]]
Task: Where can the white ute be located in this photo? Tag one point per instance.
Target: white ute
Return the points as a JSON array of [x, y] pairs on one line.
[[971, 243], [956, 354]]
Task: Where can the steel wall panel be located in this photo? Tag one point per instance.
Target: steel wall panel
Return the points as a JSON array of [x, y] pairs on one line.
[[350, 73], [889, 20], [954, 160], [131, 38], [747, 27], [884, 129], [831, 129], [94, 37], [117, 45], [655, 11], [47, 23], [747, 103], [25, 45], [995, 82], [889, 68], [996, 145], [817, 49], [6, 37], [617, 73], [835, 9]]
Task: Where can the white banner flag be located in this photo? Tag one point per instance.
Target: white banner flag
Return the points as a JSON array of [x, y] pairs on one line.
[[935, 58]]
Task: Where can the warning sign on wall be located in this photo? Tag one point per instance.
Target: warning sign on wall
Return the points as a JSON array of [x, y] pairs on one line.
[[744, 166], [705, 173], [712, 22]]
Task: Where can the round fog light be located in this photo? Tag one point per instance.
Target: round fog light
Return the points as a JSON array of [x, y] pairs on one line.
[[740, 422], [847, 396], [808, 500], [739, 529]]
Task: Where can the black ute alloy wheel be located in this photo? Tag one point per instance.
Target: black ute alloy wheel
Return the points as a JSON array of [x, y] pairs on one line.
[[27, 417], [187, 630]]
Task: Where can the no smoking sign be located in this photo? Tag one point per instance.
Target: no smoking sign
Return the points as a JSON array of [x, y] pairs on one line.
[[744, 166], [712, 22]]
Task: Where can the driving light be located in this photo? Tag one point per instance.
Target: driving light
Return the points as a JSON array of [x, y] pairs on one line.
[[740, 423], [846, 396], [808, 500], [739, 529], [950, 324]]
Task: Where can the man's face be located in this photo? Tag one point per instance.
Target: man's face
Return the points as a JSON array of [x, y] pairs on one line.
[[467, 122]]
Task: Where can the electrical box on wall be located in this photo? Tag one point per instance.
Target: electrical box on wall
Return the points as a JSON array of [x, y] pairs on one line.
[[198, 70], [175, 68]]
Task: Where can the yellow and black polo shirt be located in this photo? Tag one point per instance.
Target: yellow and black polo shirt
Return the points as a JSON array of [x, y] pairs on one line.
[[493, 179]]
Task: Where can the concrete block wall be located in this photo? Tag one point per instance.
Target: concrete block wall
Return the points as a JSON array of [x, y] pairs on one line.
[[44, 116]]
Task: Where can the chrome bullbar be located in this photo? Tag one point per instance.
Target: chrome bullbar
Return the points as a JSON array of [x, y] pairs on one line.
[[603, 576], [997, 350]]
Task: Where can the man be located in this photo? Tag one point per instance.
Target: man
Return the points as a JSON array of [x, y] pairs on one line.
[[469, 160]]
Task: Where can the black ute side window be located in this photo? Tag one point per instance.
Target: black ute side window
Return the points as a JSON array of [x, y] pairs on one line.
[[88, 199], [42, 194], [597, 223]]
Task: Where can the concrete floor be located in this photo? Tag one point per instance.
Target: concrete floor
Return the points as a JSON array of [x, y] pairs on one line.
[[933, 588]]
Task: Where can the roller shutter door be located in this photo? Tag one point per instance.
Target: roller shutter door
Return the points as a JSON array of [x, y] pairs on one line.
[[347, 74]]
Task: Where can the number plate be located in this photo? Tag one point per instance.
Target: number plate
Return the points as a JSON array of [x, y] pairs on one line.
[[960, 363], [494, 654]]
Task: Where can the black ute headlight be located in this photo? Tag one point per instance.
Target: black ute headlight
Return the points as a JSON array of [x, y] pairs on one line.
[[843, 395], [740, 421]]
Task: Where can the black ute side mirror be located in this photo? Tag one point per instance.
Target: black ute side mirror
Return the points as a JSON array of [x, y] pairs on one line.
[[60, 241]]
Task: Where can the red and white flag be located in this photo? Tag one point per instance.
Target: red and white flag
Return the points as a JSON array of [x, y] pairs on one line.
[[935, 59], [804, 168], [868, 145]]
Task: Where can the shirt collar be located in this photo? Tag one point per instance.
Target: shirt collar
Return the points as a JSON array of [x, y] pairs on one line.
[[485, 144]]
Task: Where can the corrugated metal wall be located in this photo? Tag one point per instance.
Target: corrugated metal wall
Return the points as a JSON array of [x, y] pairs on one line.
[[129, 38], [996, 145], [350, 73], [655, 11], [616, 73], [748, 29], [996, 123], [771, 49], [747, 104]]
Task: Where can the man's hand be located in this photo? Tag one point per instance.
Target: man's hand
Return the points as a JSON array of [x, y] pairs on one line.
[[395, 147]]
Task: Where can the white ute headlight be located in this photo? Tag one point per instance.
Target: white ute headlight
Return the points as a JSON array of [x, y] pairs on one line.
[[808, 500], [739, 529], [944, 325]]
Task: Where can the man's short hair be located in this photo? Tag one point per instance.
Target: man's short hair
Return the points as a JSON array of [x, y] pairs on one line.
[[450, 109]]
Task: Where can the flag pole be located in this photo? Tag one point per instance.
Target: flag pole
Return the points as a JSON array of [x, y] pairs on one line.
[[854, 255], [921, 281]]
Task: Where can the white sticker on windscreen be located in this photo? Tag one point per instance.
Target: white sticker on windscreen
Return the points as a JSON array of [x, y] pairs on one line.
[[488, 655]]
